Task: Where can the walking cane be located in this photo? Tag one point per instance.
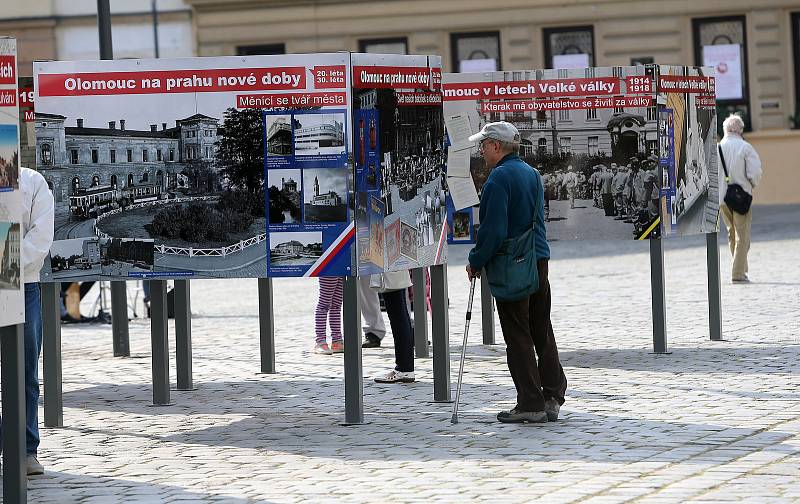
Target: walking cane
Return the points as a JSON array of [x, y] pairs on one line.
[[454, 419]]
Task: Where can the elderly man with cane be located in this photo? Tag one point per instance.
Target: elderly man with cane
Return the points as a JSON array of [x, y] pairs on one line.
[[512, 248]]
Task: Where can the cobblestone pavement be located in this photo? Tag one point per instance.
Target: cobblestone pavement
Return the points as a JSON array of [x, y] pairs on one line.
[[712, 421]]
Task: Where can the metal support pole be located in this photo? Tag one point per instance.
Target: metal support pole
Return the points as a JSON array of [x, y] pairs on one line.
[[51, 355], [487, 311], [657, 289], [440, 326], [266, 324], [714, 287], [420, 313], [154, 11], [353, 373], [159, 342], [183, 335], [104, 29], [119, 319], [12, 365]]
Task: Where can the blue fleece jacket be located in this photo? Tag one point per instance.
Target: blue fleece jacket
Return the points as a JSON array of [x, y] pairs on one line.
[[508, 199]]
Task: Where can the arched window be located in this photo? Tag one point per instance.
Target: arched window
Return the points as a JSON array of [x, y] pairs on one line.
[[542, 145], [47, 154], [130, 179], [160, 178], [145, 176], [76, 184], [113, 181], [96, 181]]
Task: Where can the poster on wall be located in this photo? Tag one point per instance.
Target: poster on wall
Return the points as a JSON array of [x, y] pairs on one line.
[[591, 133], [12, 299], [169, 155], [726, 61], [399, 157], [688, 160]]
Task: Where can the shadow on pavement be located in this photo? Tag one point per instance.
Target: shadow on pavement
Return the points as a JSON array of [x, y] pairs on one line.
[[82, 488]]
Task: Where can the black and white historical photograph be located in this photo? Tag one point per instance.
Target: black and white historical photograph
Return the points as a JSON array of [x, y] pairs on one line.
[[76, 258], [126, 256], [284, 187], [10, 257], [279, 135], [301, 248], [319, 134], [325, 195], [599, 166]]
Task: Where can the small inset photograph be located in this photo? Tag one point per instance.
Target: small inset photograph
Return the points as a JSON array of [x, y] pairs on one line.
[[408, 241], [393, 241], [319, 134], [121, 256], [9, 157], [462, 228], [76, 258], [284, 188], [300, 248], [279, 135], [10, 261], [325, 195]]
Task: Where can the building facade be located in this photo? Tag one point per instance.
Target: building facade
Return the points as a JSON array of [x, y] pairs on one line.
[[67, 30], [92, 168], [472, 35]]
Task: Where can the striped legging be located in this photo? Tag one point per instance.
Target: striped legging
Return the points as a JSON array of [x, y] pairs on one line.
[[329, 308]]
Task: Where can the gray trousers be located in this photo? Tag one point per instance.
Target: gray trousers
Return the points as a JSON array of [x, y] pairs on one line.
[[370, 309]]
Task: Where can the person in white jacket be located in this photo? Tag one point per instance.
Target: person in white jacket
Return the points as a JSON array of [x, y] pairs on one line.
[[37, 236], [744, 168]]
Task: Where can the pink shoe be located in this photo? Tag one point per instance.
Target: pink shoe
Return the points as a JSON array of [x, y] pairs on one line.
[[337, 346], [322, 348]]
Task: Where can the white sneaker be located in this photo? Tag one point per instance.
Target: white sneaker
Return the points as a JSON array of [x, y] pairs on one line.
[[322, 348], [34, 467], [394, 376]]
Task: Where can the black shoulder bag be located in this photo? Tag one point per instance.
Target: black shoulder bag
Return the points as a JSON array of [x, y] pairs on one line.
[[736, 197]]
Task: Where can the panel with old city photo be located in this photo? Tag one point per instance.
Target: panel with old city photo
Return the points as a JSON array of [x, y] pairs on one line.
[[184, 169], [690, 199], [324, 195], [284, 188], [597, 153], [408, 138], [319, 134]]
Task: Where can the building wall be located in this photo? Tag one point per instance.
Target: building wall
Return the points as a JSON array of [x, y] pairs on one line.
[[623, 30], [67, 29]]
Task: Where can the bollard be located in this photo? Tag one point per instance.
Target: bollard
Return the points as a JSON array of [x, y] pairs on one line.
[[353, 373], [12, 365], [420, 313], [658, 297], [487, 311], [159, 342], [266, 324], [714, 287], [183, 335], [440, 334], [51, 355]]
